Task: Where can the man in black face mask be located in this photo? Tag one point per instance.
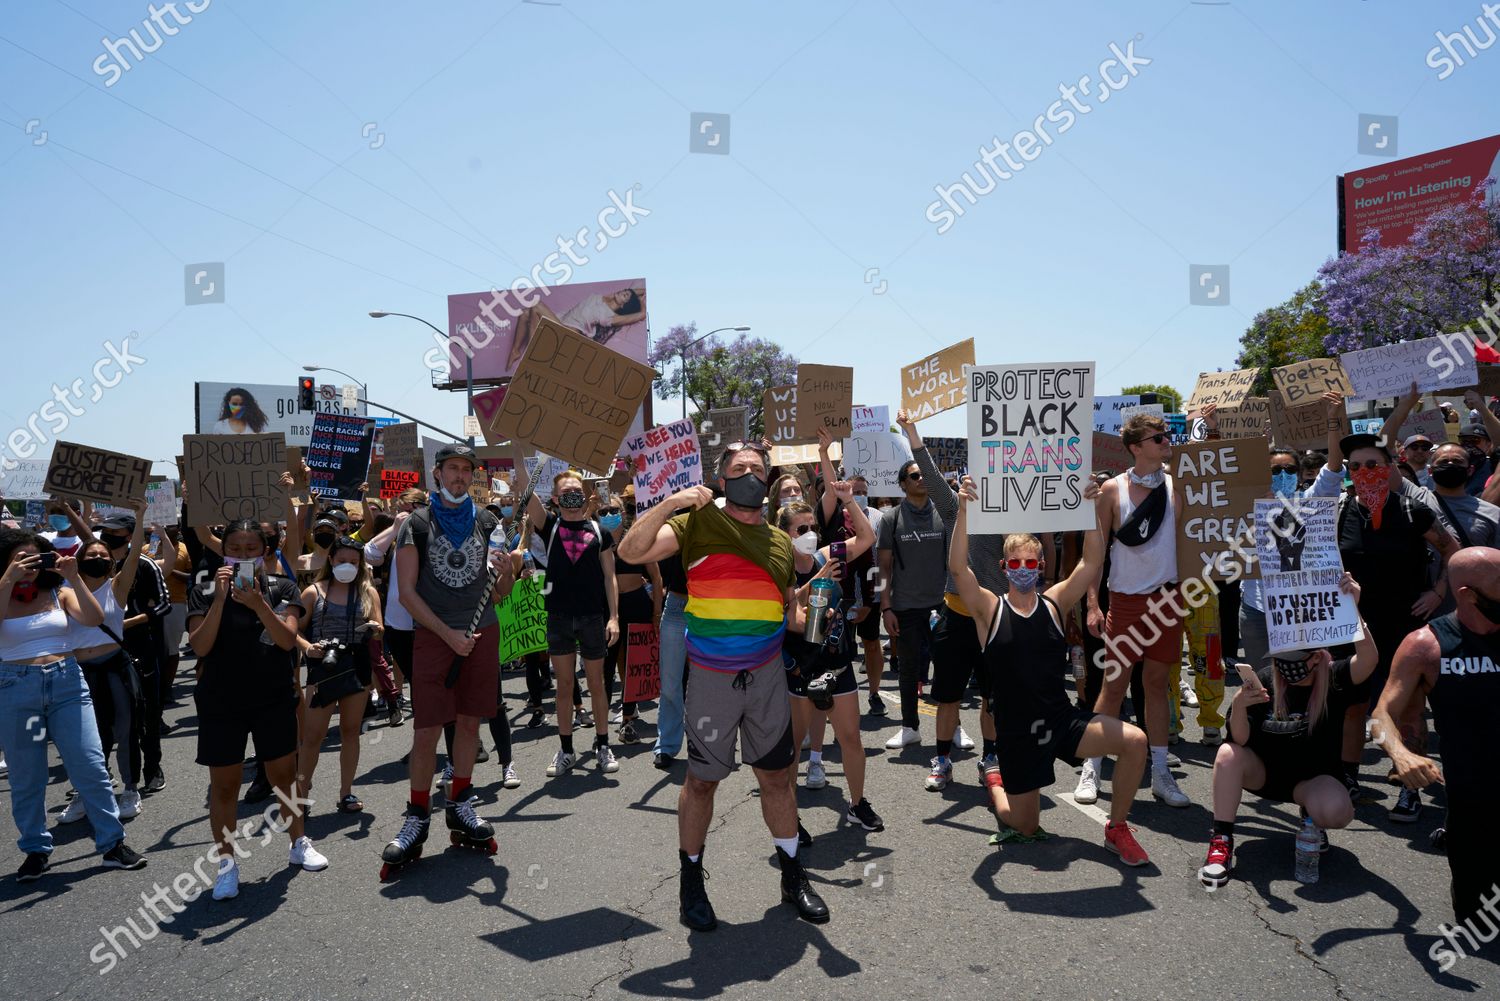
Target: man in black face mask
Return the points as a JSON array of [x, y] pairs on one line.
[[1454, 663], [1475, 522]]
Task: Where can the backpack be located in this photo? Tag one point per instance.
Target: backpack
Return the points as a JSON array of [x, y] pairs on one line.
[[421, 529]]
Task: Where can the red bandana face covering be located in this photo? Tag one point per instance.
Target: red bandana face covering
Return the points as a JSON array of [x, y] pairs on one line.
[[1371, 488]]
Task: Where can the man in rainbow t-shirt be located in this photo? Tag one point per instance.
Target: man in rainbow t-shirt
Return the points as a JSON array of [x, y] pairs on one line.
[[740, 577]]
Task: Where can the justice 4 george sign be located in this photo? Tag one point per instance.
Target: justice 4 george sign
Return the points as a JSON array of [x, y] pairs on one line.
[[1031, 439]]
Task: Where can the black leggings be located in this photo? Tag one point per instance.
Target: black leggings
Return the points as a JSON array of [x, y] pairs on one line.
[[635, 607]]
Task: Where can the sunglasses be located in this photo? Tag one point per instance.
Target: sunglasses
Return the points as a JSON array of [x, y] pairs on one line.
[[915, 474], [804, 529], [1419, 446], [1161, 438], [754, 446], [1015, 564], [609, 510], [1283, 469], [1368, 464]]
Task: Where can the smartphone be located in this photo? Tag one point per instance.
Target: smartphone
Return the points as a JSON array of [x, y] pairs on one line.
[[601, 490], [244, 573], [1248, 677], [838, 551], [49, 561]]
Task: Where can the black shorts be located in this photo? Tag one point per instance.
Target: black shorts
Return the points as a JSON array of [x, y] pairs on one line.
[[570, 634], [1281, 782], [221, 736], [1026, 758], [869, 628], [956, 655]]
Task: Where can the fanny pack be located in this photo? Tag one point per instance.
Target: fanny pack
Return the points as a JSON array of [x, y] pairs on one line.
[[1148, 516]]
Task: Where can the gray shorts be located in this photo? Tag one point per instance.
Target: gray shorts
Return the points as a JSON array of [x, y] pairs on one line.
[[751, 704]]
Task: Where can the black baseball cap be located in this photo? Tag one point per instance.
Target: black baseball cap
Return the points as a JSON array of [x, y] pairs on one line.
[[1350, 442], [456, 450], [118, 523], [1474, 431]]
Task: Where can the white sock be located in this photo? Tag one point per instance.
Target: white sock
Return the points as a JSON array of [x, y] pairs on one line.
[[1159, 757], [694, 858], [814, 757], [788, 845], [1095, 764]]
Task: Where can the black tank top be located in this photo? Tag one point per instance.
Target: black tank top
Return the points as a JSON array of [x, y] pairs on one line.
[[1463, 706], [1027, 655]]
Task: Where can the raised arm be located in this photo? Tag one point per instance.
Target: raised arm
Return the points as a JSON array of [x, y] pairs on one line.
[[1104, 512], [942, 496], [826, 470], [1392, 426], [125, 578], [650, 539], [980, 601], [1333, 402], [1474, 401], [1068, 591], [864, 532], [1410, 683]]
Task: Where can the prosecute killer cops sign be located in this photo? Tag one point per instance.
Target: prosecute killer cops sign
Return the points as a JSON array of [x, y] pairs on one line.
[[665, 459], [1031, 442]]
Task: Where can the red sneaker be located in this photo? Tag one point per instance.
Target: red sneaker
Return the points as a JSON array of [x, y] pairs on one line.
[[1118, 839], [1215, 871]]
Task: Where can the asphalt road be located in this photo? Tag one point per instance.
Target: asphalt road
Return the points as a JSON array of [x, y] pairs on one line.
[[581, 899]]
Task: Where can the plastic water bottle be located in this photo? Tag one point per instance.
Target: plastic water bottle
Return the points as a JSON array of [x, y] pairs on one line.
[[1075, 658], [1309, 842], [498, 543], [528, 562]]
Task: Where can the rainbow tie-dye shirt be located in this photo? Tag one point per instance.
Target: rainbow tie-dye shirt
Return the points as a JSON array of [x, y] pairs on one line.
[[737, 577]]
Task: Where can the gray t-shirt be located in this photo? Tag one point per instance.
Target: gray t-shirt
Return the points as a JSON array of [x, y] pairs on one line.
[[452, 580], [919, 558], [985, 551]]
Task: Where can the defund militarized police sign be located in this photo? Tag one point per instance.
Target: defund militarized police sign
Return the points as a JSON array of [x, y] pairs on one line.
[[1031, 443]]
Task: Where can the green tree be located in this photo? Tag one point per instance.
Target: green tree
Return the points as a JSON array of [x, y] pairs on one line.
[[1292, 331], [736, 374], [1168, 397]]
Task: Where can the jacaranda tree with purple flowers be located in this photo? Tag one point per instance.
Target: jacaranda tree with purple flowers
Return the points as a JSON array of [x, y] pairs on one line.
[[719, 374]]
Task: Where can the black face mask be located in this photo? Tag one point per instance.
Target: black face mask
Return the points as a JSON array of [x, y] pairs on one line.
[[97, 566], [1477, 458], [747, 490], [1450, 475], [324, 539], [1488, 607], [571, 499], [1293, 671]]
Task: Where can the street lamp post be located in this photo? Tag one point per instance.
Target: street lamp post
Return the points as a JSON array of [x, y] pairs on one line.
[[682, 356], [324, 368], [380, 406], [468, 360]]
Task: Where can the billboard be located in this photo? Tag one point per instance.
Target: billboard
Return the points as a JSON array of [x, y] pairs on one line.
[[1396, 196], [496, 326], [262, 409]]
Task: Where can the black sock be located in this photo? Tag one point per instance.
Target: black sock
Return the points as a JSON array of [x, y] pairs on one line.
[[567, 743], [1224, 827], [601, 740], [945, 748], [989, 746], [1351, 770]]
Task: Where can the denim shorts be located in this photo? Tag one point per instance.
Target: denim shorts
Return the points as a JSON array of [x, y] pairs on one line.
[[569, 634]]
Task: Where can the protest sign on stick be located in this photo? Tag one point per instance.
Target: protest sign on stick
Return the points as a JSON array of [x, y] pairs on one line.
[[825, 399], [665, 459], [1389, 370], [642, 663], [573, 397], [1220, 481], [339, 455], [1031, 446], [1306, 381], [96, 474], [878, 456], [1306, 610], [1224, 389], [937, 383], [233, 476]]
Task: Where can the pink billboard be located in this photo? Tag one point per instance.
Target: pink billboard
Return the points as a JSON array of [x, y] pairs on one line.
[[496, 326], [1395, 197]]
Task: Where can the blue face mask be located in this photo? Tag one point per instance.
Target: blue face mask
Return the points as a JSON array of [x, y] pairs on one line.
[[506, 510], [611, 522], [1283, 484], [1023, 579], [59, 522]]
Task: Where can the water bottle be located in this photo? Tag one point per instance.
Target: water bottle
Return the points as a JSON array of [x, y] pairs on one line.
[[498, 544], [819, 597], [1309, 843], [528, 562], [1075, 658]]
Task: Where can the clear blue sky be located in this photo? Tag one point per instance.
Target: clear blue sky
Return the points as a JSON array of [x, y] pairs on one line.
[[506, 125]]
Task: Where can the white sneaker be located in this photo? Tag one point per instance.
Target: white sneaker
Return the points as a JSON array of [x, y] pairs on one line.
[[4, 768], [129, 804], [1164, 788], [962, 740], [1189, 697], [1173, 761], [1211, 735], [304, 854], [1087, 790], [606, 759], [617, 716], [940, 776], [561, 762], [228, 883], [75, 811], [904, 737], [512, 780], [816, 778]]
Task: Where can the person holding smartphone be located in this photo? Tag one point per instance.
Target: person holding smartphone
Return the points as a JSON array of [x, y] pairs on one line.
[[1285, 730]]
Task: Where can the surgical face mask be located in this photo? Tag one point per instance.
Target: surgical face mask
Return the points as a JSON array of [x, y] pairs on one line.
[[746, 490], [1450, 474], [611, 522], [1284, 484], [506, 510], [345, 573], [863, 501], [96, 566], [324, 539], [58, 522], [1023, 578], [806, 543], [452, 498], [571, 499]]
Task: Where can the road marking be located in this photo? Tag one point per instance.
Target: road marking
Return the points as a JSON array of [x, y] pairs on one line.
[[1087, 809]]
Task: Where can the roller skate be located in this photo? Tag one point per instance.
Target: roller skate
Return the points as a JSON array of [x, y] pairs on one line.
[[407, 846], [466, 830]]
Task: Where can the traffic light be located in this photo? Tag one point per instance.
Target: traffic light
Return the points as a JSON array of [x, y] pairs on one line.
[[306, 393]]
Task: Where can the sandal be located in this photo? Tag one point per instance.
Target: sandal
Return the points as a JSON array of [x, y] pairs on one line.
[[350, 804]]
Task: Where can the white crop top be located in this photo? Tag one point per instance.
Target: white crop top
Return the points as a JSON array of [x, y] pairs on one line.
[[28, 637], [81, 637]]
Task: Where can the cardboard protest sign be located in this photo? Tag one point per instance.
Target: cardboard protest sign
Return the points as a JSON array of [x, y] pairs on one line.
[[778, 407], [1306, 610], [1250, 419], [1297, 533], [161, 503], [1389, 370], [523, 619], [1110, 454], [1487, 380], [1225, 389], [1031, 446], [1220, 481], [1107, 412], [869, 419], [877, 456], [402, 451], [233, 476], [479, 487], [1306, 381], [719, 429], [486, 409], [27, 480], [825, 399], [665, 459], [937, 383], [642, 681], [572, 396], [96, 474], [339, 455], [1428, 422], [950, 455], [1298, 428]]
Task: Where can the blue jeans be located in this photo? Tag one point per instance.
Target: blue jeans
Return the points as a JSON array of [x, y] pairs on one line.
[[673, 654], [52, 702]]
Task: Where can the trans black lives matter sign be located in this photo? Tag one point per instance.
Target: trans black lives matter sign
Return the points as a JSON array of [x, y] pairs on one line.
[[339, 455], [1031, 443]]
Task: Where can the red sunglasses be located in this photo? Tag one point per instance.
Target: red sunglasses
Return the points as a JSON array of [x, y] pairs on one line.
[[1015, 564]]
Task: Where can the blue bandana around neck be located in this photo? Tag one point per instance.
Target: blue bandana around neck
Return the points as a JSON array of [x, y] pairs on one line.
[[456, 523]]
